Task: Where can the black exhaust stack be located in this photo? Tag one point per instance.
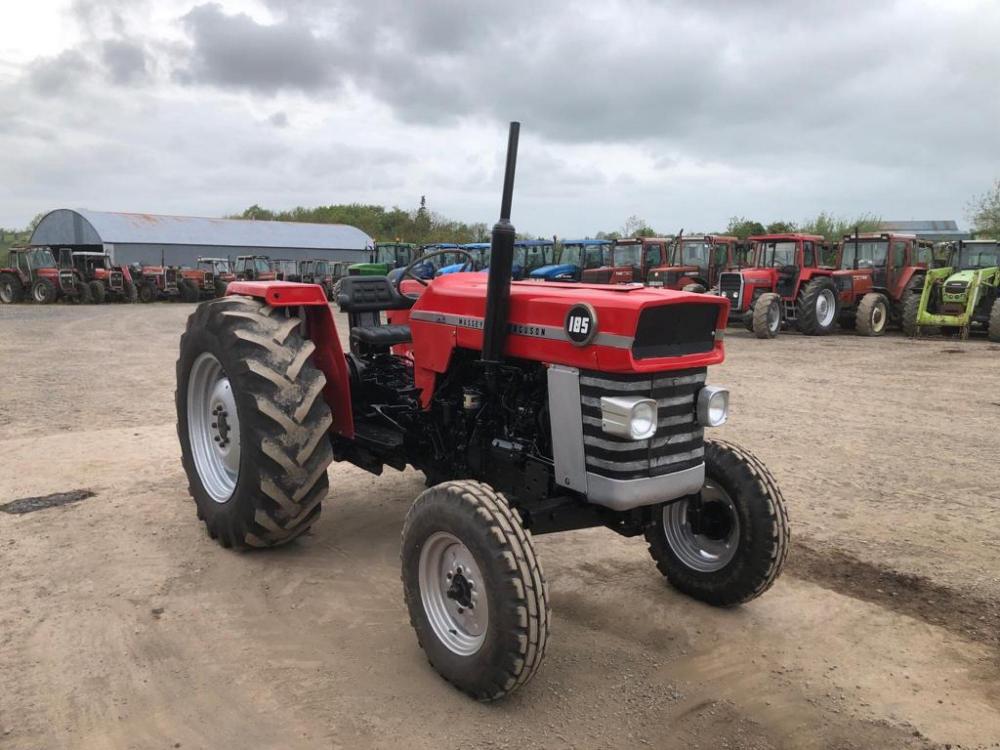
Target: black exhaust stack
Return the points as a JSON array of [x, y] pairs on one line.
[[501, 262]]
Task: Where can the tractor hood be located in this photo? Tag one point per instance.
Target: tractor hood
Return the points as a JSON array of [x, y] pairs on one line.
[[759, 275], [612, 328], [555, 270], [962, 277]]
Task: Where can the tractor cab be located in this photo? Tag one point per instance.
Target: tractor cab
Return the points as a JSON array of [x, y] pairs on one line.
[[97, 271], [627, 260], [254, 268], [696, 262], [221, 267], [529, 255], [385, 257], [480, 252], [570, 259], [285, 270]]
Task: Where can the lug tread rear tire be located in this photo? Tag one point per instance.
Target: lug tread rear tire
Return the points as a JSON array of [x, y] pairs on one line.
[[524, 598], [808, 323], [993, 332], [16, 289], [284, 422], [43, 292], [97, 292], [911, 310], [747, 576], [865, 312]]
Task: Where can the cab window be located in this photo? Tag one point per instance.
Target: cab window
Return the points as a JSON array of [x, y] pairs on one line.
[[260, 265], [808, 254], [898, 254], [654, 254], [722, 255], [924, 254]]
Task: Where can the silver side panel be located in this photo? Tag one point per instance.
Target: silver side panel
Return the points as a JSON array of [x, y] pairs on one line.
[[566, 417], [624, 494]]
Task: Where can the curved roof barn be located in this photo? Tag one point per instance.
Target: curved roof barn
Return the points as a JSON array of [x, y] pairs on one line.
[[180, 240]]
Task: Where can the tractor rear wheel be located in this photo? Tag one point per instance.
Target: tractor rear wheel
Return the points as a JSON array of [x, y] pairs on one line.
[[993, 331], [11, 290], [220, 288], [766, 320], [44, 292], [97, 292], [188, 291], [730, 546], [146, 293], [872, 315], [818, 307], [475, 592], [911, 310], [252, 423]]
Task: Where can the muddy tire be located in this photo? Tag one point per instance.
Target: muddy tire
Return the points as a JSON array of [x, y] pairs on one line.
[[766, 316], [872, 316], [98, 293], [130, 294], [188, 291], [911, 309], [694, 288], [11, 290], [475, 592], [252, 423], [147, 293], [44, 292], [220, 288], [818, 307], [741, 540], [993, 331]]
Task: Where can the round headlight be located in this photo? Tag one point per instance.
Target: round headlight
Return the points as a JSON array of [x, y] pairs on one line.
[[642, 425]]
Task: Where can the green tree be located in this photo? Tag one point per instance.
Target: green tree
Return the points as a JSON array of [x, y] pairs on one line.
[[833, 227], [781, 227], [984, 212], [742, 227]]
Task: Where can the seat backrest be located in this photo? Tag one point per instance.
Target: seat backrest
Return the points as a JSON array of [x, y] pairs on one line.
[[362, 294]]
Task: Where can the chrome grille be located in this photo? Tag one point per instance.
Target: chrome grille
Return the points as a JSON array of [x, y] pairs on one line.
[[679, 440], [115, 280], [731, 287]]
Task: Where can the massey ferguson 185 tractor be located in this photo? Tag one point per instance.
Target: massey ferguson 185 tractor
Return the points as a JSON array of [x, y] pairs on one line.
[[878, 273], [32, 272], [965, 294], [696, 261], [530, 408], [787, 283]]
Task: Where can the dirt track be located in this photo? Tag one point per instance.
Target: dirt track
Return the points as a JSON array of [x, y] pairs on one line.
[[123, 626]]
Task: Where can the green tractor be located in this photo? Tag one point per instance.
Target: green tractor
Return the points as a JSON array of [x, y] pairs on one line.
[[961, 295], [384, 258]]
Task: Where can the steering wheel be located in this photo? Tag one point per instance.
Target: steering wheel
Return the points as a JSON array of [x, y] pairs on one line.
[[408, 271]]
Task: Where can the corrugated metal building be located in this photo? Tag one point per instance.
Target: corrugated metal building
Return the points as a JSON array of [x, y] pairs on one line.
[[936, 231], [181, 240]]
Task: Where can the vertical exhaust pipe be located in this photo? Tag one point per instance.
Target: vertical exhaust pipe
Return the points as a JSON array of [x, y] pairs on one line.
[[501, 262]]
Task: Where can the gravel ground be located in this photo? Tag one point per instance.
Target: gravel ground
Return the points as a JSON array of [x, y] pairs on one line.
[[123, 626]]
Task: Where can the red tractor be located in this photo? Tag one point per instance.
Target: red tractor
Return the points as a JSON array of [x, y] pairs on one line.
[[195, 284], [696, 262], [155, 282], [788, 284], [628, 260], [106, 281], [254, 268], [878, 271], [530, 409], [323, 272], [221, 269], [33, 272]]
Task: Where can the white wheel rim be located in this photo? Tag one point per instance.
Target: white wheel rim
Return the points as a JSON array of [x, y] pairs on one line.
[[39, 294], [878, 317], [704, 552], [213, 427], [773, 317], [825, 307], [453, 594], [7, 293]]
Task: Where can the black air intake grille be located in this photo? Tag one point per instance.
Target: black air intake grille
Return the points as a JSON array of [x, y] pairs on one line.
[[679, 440], [730, 287], [675, 330]]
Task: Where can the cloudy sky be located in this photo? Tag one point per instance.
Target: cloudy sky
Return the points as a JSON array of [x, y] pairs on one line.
[[684, 112]]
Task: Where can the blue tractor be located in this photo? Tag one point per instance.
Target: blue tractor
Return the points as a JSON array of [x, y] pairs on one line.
[[528, 256], [574, 256]]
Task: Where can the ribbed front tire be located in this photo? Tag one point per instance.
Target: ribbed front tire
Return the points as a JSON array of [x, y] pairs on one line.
[[501, 647], [282, 420]]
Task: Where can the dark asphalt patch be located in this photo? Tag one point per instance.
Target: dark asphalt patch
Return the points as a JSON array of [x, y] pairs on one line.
[[31, 504]]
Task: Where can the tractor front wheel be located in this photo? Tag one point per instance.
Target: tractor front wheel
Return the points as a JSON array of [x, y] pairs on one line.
[[252, 423], [11, 290], [872, 315], [766, 316], [188, 291], [44, 292], [727, 546], [147, 293], [97, 292], [993, 332], [475, 592], [911, 311], [818, 307]]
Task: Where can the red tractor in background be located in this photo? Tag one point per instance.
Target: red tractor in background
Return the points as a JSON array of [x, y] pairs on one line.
[[32, 272], [106, 281], [194, 284], [155, 282], [222, 269], [788, 284], [628, 260], [877, 272], [254, 268], [326, 273], [696, 261], [529, 408]]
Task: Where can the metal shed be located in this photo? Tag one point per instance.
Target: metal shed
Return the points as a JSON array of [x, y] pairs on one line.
[[181, 240], [936, 230]]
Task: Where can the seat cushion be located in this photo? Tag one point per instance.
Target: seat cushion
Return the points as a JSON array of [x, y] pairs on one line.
[[383, 336]]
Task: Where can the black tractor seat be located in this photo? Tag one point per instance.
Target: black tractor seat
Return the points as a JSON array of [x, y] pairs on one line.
[[381, 337]]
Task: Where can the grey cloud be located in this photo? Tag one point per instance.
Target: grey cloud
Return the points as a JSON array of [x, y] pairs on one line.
[[279, 119], [124, 60], [54, 75], [235, 50]]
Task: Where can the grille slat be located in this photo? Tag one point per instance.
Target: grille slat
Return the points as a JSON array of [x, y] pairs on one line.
[[679, 440]]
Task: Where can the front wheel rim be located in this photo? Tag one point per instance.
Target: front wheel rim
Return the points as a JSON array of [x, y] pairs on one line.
[[825, 308], [878, 317], [453, 594], [704, 552], [7, 293], [773, 318], [213, 427], [40, 294]]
